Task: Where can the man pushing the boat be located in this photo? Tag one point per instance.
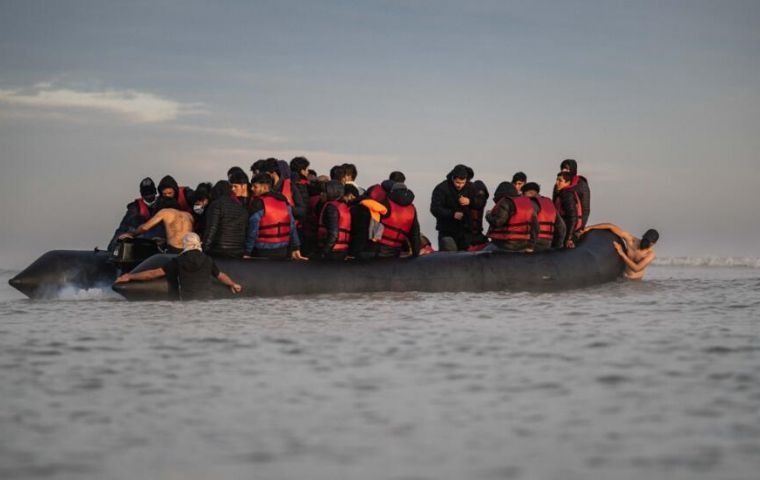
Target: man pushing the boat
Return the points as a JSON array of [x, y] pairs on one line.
[[638, 254], [192, 269]]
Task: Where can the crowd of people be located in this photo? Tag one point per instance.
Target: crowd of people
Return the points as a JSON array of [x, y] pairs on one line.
[[286, 210]]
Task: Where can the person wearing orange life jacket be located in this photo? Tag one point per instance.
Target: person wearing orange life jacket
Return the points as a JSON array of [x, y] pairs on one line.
[[379, 192], [514, 226], [568, 205], [334, 223], [551, 228], [169, 188], [271, 228], [138, 212], [401, 229]]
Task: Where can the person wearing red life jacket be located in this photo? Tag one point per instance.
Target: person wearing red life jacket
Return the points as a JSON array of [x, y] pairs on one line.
[[334, 223], [379, 191], [401, 229], [169, 188], [551, 228], [285, 186], [580, 185], [514, 226], [568, 205], [271, 228], [138, 212]]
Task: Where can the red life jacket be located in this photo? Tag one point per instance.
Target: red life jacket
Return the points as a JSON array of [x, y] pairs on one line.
[[275, 224], [377, 193], [287, 191], [518, 225], [397, 225], [182, 200], [344, 226], [143, 208], [547, 215], [578, 208]]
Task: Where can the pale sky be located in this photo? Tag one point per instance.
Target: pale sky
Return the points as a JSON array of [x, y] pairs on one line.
[[659, 101]]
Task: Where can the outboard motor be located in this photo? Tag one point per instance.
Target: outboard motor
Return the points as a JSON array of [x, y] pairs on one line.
[[130, 252]]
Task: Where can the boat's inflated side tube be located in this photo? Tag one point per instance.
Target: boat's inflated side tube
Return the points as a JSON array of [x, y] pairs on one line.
[[59, 269], [592, 262]]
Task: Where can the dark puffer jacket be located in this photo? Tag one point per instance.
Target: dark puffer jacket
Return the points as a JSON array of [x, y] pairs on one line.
[[445, 203], [226, 228]]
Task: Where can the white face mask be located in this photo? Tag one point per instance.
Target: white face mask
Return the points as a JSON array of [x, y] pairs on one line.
[[150, 204], [198, 209]]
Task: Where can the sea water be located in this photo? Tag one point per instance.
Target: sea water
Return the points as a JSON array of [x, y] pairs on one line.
[[629, 380]]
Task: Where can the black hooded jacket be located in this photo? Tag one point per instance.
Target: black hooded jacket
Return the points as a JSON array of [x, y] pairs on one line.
[[226, 227], [169, 182], [193, 272], [445, 203], [330, 218], [131, 220], [584, 195]]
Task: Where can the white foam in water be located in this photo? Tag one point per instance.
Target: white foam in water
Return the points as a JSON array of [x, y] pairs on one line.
[[97, 293], [744, 262]]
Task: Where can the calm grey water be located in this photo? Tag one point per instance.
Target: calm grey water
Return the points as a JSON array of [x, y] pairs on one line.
[[658, 379]]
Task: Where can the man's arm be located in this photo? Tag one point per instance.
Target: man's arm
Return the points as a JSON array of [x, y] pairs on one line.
[[331, 217], [627, 237], [415, 239], [559, 232], [438, 205], [225, 279], [144, 275], [253, 231], [155, 220], [635, 266], [499, 214]]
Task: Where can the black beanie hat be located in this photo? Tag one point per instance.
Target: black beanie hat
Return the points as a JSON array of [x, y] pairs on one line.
[[571, 165], [531, 186], [147, 187], [505, 189]]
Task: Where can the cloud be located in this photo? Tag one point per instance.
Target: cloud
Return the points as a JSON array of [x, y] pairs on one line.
[[139, 107], [230, 132]]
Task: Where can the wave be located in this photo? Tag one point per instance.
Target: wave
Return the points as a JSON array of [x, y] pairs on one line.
[[709, 261]]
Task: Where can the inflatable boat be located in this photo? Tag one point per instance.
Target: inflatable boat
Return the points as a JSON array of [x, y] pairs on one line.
[[592, 262]]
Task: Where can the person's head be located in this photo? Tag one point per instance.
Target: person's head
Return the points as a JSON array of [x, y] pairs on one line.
[[505, 189], [518, 180], [191, 241], [233, 172], [221, 189], [312, 176], [397, 177], [167, 202], [333, 190], [401, 195], [256, 166], [239, 182], [563, 180], [148, 191], [569, 165], [531, 189], [300, 165], [261, 183], [338, 173], [349, 172], [649, 238], [459, 176], [168, 187], [350, 193], [271, 167], [201, 197]]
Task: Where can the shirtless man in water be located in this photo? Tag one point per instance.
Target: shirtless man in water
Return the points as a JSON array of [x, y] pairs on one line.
[[638, 253], [176, 222]]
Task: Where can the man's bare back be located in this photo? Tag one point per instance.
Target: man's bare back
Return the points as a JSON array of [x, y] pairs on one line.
[[636, 259], [176, 222]]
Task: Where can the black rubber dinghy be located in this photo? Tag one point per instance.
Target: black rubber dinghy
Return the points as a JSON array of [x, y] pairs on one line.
[[592, 262]]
